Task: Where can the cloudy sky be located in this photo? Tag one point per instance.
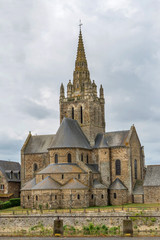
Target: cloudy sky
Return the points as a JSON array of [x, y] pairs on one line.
[[38, 42]]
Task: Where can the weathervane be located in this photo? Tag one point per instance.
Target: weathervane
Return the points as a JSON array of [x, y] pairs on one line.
[[80, 24]]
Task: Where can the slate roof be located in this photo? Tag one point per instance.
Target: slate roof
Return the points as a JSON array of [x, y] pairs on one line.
[[74, 184], [93, 167], [152, 176], [138, 188], [47, 183], [9, 166], [62, 168], [39, 144], [114, 139], [118, 185], [70, 135], [97, 184], [30, 184], [100, 141]]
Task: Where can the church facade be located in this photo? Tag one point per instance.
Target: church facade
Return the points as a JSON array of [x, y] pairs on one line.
[[82, 165]]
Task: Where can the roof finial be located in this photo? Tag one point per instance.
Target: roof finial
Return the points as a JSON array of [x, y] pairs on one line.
[[80, 24]]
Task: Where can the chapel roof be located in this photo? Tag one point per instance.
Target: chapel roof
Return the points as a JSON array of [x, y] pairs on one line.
[[74, 184], [30, 184], [9, 166], [152, 176], [97, 184], [47, 183], [39, 144], [111, 139], [117, 185], [70, 135], [138, 188], [62, 168]]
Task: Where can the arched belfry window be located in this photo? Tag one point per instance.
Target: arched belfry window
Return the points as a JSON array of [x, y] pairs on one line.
[[82, 157], [72, 112], [81, 114], [87, 158], [56, 158], [118, 167], [135, 168], [35, 167], [69, 158]]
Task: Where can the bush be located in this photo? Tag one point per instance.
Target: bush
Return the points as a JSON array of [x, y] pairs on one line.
[[11, 203]]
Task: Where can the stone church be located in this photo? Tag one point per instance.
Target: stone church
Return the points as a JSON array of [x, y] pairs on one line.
[[82, 165]]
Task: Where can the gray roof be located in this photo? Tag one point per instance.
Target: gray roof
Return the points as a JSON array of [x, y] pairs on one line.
[[97, 184], [9, 166], [74, 184], [47, 183], [114, 139], [138, 188], [100, 141], [30, 184], [39, 144], [152, 176], [62, 168], [70, 135], [118, 185], [93, 167]]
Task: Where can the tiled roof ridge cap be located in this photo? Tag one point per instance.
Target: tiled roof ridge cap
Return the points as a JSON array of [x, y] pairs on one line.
[[9, 161], [116, 131]]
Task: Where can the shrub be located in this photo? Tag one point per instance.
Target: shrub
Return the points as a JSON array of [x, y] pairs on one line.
[[11, 203]]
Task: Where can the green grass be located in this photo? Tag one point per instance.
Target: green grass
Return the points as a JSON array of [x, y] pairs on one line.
[[131, 206]]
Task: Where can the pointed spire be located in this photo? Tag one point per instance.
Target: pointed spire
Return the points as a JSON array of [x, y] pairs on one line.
[[62, 91], [81, 74]]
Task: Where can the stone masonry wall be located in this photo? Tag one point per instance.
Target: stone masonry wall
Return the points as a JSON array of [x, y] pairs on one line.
[[152, 194]]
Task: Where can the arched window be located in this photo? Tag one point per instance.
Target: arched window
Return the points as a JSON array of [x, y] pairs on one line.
[[28, 197], [78, 196], [79, 176], [92, 196], [81, 114], [82, 157], [55, 197], [72, 112], [35, 167], [115, 195], [118, 167], [87, 158], [135, 169], [36, 198], [62, 176], [56, 158], [69, 158], [102, 196]]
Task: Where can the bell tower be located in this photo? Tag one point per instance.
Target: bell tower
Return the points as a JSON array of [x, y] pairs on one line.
[[82, 102]]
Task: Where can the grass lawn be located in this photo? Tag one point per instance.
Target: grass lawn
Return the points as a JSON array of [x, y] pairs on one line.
[[135, 206]]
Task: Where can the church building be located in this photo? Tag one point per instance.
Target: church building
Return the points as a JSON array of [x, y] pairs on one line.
[[82, 164]]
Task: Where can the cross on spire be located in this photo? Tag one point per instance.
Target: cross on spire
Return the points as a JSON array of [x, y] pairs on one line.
[[80, 24]]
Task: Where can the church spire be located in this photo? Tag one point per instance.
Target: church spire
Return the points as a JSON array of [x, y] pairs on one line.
[[81, 74]]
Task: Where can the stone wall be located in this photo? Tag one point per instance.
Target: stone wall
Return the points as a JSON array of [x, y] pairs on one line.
[[118, 197], [152, 194]]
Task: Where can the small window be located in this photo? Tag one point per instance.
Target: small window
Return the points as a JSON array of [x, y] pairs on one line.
[[135, 169], [102, 196], [2, 187], [72, 112], [42, 177], [56, 158], [78, 196], [81, 114], [28, 197], [36, 198], [87, 158], [69, 158], [92, 196], [82, 157], [118, 167], [62, 176], [11, 175], [55, 197], [115, 195], [79, 176], [35, 167]]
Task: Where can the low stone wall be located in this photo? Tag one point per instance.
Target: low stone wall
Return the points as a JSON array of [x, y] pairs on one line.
[[14, 223]]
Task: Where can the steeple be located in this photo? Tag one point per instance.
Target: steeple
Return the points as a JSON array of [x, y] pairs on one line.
[[81, 75]]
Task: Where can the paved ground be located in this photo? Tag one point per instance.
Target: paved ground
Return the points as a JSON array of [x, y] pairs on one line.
[[99, 238]]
